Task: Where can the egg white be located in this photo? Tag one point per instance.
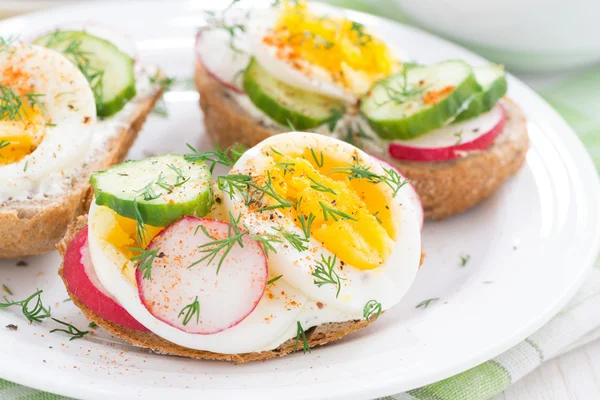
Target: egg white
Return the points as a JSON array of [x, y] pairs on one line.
[[387, 283], [318, 80], [69, 104]]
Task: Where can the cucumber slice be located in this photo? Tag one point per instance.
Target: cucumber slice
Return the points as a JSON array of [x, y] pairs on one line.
[[288, 105], [108, 70], [418, 99], [493, 87], [161, 189]]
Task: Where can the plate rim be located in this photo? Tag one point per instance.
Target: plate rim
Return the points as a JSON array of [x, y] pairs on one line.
[[584, 165]]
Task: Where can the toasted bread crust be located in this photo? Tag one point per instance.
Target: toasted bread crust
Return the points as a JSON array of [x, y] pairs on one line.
[[34, 227], [446, 188], [316, 336], [226, 122]]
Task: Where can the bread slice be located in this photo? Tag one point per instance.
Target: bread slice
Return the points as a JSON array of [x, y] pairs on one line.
[[34, 227], [316, 336], [446, 188]]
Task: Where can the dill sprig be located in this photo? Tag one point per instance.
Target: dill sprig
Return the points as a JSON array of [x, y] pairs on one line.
[[336, 115], [144, 260], [181, 179], [267, 240], [394, 180], [404, 93], [252, 192], [71, 330], [141, 231], [320, 187], [148, 192], [295, 240], [32, 307], [354, 131], [227, 157], [7, 290], [372, 309], [214, 22], [306, 223], [363, 38], [360, 171], [318, 160], [189, 311], [318, 41], [324, 273], [426, 303], [464, 259], [301, 334], [10, 105], [166, 83], [458, 136], [286, 167], [81, 59], [334, 214], [6, 43], [357, 170], [3, 144], [273, 280], [291, 125], [233, 183], [275, 151], [224, 246], [269, 190], [376, 215]]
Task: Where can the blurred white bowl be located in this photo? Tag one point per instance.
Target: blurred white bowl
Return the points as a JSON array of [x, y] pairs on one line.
[[528, 35], [9, 8]]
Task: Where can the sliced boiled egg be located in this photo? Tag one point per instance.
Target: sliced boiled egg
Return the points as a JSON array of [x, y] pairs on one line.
[[47, 110], [348, 230], [110, 238], [319, 52]]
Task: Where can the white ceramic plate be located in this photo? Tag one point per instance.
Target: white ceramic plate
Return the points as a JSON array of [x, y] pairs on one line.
[[530, 247]]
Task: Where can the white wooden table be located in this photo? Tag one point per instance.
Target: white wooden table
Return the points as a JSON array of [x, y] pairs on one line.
[[573, 376]]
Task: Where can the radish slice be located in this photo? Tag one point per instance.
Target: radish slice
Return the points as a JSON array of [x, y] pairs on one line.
[[216, 51], [195, 299], [452, 141], [81, 280], [122, 41], [412, 193]]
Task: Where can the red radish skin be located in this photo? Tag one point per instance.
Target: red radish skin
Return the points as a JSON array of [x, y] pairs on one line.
[[229, 85], [404, 152], [413, 196], [225, 299], [79, 274]]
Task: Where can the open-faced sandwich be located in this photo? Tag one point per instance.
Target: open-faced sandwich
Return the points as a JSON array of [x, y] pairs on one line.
[[304, 241], [446, 126], [71, 103]]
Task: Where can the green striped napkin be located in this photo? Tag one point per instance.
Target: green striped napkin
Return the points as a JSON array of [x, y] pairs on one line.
[[578, 100]]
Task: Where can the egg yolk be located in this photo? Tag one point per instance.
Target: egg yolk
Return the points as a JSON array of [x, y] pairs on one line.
[[351, 217], [352, 56], [120, 232], [22, 126]]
